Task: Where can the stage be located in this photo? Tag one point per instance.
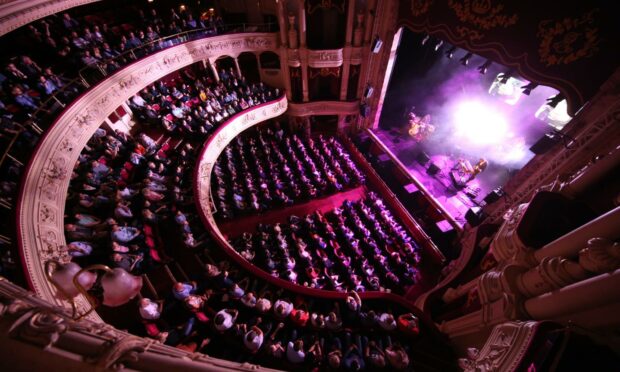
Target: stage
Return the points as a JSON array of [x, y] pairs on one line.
[[456, 200]]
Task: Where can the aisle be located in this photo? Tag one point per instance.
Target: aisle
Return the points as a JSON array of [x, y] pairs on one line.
[[236, 227]]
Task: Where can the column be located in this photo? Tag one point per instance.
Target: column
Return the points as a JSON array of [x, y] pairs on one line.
[[216, 76], [237, 66], [350, 22], [302, 23], [281, 21], [344, 80], [304, 78]]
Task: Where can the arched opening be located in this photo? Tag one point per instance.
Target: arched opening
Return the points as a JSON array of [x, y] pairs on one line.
[[248, 63], [270, 60]]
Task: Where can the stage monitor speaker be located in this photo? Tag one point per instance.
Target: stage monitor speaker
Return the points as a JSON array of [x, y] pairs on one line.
[[474, 216], [494, 195], [432, 169], [422, 158], [545, 143], [364, 110]]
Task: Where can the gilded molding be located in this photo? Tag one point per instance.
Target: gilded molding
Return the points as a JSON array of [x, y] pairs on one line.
[[42, 198], [17, 13], [324, 108], [325, 58]]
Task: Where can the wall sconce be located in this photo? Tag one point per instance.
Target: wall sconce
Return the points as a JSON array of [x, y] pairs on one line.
[[118, 286]]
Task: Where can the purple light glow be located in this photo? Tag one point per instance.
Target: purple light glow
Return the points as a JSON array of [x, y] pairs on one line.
[[479, 124]]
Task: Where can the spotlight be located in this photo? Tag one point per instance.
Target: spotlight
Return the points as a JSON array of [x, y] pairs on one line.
[[376, 44], [425, 39], [450, 52], [527, 89], [465, 59], [504, 78], [485, 66], [553, 101], [438, 45]]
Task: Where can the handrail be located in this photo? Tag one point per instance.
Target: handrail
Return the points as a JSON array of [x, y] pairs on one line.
[[81, 83], [440, 208]]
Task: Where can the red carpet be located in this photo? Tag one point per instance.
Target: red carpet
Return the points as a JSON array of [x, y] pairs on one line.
[[237, 226]]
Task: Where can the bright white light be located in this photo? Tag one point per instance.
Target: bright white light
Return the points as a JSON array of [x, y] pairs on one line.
[[511, 91], [478, 124], [556, 116]]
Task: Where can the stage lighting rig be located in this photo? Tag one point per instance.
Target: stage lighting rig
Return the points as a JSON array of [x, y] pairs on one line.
[[485, 66], [438, 45], [465, 60], [527, 89], [426, 38], [450, 52], [553, 101]]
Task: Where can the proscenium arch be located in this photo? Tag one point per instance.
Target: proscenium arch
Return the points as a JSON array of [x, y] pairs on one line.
[[41, 202]]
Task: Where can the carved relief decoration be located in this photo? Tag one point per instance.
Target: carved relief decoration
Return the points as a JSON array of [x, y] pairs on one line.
[[15, 14], [323, 108], [42, 199], [567, 40], [325, 58]]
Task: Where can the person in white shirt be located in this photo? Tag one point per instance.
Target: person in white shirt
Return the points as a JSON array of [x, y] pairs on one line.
[[138, 100], [282, 308], [295, 352], [387, 322], [225, 319], [253, 339], [149, 310]]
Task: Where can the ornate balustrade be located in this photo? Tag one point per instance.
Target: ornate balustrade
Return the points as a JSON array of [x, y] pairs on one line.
[[40, 208], [43, 336], [17, 13], [324, 108]]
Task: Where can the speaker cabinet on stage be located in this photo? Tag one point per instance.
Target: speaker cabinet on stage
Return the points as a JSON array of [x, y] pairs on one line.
[[432, 169], [422, 158], [474, 216], [494, 195], [545, 143]]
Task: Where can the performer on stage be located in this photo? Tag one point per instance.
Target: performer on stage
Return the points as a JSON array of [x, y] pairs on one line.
[[420, 128]]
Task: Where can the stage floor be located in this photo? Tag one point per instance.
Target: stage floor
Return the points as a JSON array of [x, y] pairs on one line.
[[440, 185]]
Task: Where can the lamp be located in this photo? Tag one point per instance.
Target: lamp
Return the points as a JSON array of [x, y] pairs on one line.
[[465, 59], [438, 45], [527, 89], [426, 38], [450, 52], [117, 285], [485, 66], [553, 101]]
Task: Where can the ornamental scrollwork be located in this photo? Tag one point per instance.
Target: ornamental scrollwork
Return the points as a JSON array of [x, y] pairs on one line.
[[568, 40], [483, 14], [420, 7]]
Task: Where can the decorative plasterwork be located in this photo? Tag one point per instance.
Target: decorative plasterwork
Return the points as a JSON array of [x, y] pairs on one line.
[[356, 55], [17, 13], [324, 108], [46, 181], [504, 349], [294, 59], [97, 346], [325, 58]]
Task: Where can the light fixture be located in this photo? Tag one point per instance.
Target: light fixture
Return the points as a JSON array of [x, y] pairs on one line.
[[553, 101], [485, 66], [426, 38], [438, 45], [527, 89], [450, 52], [465, 59], [376, 44], [117, 285], [369, 91]]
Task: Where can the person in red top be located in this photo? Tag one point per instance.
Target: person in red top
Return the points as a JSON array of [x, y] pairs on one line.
[[408, 324], [299, 317]]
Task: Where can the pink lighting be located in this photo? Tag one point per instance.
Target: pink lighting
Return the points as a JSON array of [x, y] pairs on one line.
[[479, 124]]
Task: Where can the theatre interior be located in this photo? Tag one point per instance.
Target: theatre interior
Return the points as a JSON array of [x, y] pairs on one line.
[[312, 185]]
